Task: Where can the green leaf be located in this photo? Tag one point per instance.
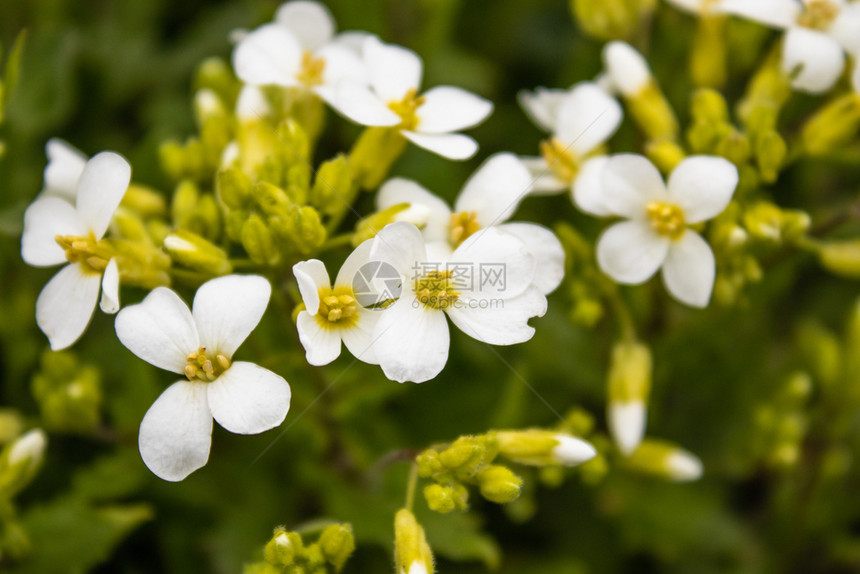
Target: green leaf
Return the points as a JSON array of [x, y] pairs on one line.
[[13, 66]]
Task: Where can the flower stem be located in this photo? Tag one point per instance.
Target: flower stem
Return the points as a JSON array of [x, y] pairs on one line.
[[411, 485]]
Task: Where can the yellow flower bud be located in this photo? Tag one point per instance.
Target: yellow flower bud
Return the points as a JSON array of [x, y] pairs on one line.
[[194, 252], [412, 554], [499, 484], [337, 544]]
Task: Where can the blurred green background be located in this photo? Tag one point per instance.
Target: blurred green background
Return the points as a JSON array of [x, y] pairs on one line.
[[118, 75]]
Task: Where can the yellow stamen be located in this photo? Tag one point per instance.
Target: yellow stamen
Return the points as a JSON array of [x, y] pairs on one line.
[[84, 250], [436, 290], [312, 70], [406, 109], [560, 159], [666, 219], [201, 368], [819, 14], [463, 225], [337, 307]]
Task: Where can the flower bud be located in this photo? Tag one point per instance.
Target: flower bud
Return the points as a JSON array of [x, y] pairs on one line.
[[11, 425], [667, 460], [629, 386], [666, 155], [840, 257], [499, 484], [429, 463], [283, 547], [770, 154], [233, 187], [440, 498], [833, 126], [610, 19], [194, 252], [708, 58], [337, 544], [216, 75], [542, 447], [69, 395], [257, 241], [310, 233], [332, 185], [20, 461], [144, 201], [709, 106], [412, 554], [373, 155]]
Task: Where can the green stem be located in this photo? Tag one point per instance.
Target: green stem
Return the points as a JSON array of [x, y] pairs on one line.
[[411, 485], [622, 313], [338, 241]]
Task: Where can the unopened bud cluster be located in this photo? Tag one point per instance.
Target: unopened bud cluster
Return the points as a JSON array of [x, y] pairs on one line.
[[287, 553]]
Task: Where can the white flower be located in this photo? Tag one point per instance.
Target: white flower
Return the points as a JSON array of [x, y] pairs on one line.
[[626, 68], [332, 312], [297, 51], [699, 7], [580, 120], [627, 421], [683, 466], [65, 165], [175, 434], [485, 288], [572, 451], [817, 35], [655, 233], [55, 231], [489, 199], [392, 100]]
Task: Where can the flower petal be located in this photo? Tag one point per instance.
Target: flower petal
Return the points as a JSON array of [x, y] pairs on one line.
[[846, 28], [394, 70], [44, 220], [100, 189], [176, 432], [451, 146], [703, 186], [227, 309], [541, 106], [400, 245], [626, 421], [495, 190], [110, 288], [355, 101], [449, 109], [498, 263], [271, 54], [629, 182], [587, 117], [399, 190], [411, 341], [310, 22], [627, 68], [66, 304], [311, 276], [544, 181], [631, 252], [814, 60], [499, 321], [358, 338], [160, 330], [251, 105], [689, 270], [587, 190], [65, 165], [774, 13], [359, 257], [691, 6], [547, 251], [340, 63], [248, 399], [322, 344]]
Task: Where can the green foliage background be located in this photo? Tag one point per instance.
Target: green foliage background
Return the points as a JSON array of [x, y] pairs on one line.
[[118, 75]]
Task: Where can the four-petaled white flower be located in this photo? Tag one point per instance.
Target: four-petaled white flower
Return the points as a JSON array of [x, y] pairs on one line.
[[55, 231], [489, 198], [65, 165], [485, 288], [818, 33], [655, 234], [333, 313], [580, 120], [298, 50], [176, 432], [392, 99]]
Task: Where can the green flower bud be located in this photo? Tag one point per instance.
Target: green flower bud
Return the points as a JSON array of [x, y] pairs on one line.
[[233, 187], [499, 484], [233, 223], [629, 386], [310, 233], [770, 154], [128, 225], [410, 545], [664, 459], [283, 547], [610, 19], [184, 204], [20, 461], [294, 142], [144, 201], [217, 75], [373, 155], [429, 463], [272, 199], [735, 147], [257, 241], [543, 447], [833, 126], [194, 252], [332, 185], [337, 544], [840, 257], [440, 498], [313, 558], [665, 155], [653, 113], [172, 157], [68, 394], [708, 58], [11, 425]]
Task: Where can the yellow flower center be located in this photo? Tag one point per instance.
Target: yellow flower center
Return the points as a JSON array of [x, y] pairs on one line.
[[203, 367], [666, 219], [463, 225], [406, 109], [84, 250], [436, 289], [337, 306], [312, 70], [819, 14], [560, 160]]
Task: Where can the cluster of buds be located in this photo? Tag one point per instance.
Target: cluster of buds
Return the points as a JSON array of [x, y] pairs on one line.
[[20, 460], [471, 460], [69, 394], [287, 553]]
